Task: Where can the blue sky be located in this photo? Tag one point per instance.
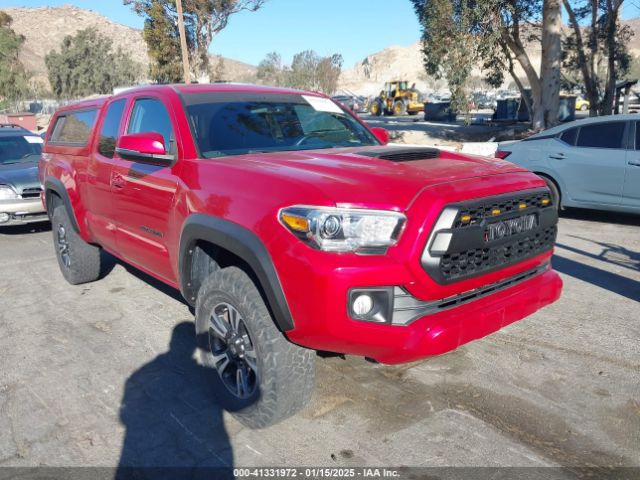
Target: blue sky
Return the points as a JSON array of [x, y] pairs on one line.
[[354, 28]]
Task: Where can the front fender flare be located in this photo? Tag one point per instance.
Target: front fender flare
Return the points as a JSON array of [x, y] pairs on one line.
[[242, 243]]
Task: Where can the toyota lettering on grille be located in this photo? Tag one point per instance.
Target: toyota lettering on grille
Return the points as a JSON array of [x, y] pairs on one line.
[[508, 228]]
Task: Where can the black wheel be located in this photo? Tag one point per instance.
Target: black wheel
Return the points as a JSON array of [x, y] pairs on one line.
[[376, 108], [555, 192], [399, 108], [266, 378], [79, 261]]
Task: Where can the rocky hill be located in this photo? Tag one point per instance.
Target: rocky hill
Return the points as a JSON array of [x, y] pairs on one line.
[[44, 28], [405, 63]]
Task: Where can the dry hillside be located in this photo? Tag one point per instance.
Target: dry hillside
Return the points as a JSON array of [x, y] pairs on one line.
[[405, 62], [45, 27]]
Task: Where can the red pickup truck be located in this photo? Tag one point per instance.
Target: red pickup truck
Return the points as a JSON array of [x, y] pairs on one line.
[[292, 227]]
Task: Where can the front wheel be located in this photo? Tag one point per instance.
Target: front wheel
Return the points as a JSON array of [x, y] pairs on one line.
[[399, 108], [265, 378], [555, 192]]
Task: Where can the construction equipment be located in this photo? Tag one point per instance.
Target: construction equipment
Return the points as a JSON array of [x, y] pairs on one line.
[[397, 99]]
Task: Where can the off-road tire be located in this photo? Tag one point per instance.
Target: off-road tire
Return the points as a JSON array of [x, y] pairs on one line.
[[83, 263], [286, 371]]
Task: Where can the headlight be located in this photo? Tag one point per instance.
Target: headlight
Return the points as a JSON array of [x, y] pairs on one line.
[[367, 232], [7, 193]]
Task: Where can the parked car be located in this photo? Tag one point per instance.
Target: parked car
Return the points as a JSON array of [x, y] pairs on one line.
[[20, 201], [582, 104], [291, 227], [590, 163]]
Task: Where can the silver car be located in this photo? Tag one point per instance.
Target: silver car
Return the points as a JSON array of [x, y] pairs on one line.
[[591, 163], [19, 186]]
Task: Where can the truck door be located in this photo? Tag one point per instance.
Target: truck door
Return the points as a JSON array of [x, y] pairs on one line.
[[100, 211], [632, 180], [145, 193]]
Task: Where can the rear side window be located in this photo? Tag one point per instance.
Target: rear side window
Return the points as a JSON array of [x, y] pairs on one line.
[[569, 136], [74, 128], [602, 135], [150, 115], [110, 127], [638, 136]]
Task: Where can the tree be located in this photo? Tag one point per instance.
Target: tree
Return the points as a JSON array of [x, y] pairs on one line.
[[308, 71], [161, 34], [459, 34], [13, 78], [271, 71], [87, 64], [204, 19], [597, 51]]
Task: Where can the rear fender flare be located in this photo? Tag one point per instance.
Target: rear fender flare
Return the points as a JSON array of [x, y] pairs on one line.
[[54, 185]]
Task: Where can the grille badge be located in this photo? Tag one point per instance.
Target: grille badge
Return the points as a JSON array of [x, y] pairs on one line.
[[508, 228]]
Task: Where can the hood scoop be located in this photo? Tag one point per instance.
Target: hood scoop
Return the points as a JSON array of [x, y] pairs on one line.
[[400, 154]]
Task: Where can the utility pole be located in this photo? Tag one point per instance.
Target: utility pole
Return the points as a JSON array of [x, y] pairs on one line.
[[183, 43]]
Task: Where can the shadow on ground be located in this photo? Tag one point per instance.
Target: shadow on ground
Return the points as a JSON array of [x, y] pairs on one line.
[[613, 282], [174, 425], [601, 216], [26, 229]]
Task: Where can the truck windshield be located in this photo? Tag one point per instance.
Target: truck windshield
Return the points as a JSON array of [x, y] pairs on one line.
[[237, 123], [19, 149]]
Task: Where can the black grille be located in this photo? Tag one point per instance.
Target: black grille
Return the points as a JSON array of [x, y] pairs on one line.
[[31, 192], [489, 234], [403, 154], [478, 260], [505, 206]]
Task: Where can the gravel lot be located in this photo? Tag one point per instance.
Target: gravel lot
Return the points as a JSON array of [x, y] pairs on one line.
[[103, 373]]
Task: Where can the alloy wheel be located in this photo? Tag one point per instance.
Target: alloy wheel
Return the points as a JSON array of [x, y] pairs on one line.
[[234, 355], [63, 247]]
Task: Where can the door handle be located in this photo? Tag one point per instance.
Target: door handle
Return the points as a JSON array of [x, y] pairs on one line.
[[118, 181], [635, 163], [558, 156]]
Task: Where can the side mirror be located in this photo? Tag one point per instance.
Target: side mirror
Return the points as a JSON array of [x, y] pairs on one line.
[[381, 134], [147, 147]]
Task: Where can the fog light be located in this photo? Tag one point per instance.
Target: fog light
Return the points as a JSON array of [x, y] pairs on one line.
[[362, 305], [4, 217]]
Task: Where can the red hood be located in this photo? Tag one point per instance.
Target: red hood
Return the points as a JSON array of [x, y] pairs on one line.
[[349, 179]]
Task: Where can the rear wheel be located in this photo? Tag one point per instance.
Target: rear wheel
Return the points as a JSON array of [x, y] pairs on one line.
[[265, 377], [79, 261]]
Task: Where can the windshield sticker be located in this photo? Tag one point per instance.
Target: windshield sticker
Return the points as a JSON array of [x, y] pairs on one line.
[[33, 139], [321, 104]]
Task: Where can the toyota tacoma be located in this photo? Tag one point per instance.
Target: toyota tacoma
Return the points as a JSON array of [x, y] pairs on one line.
[[292, 227]]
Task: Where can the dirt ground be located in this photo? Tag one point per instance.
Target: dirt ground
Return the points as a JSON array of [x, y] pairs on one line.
[[103, 375]]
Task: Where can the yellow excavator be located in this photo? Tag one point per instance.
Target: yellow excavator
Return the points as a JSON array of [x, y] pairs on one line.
[[397, 98]]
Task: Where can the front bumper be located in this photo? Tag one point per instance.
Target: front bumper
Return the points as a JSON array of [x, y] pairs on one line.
[[432, 334], [22, 211]]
